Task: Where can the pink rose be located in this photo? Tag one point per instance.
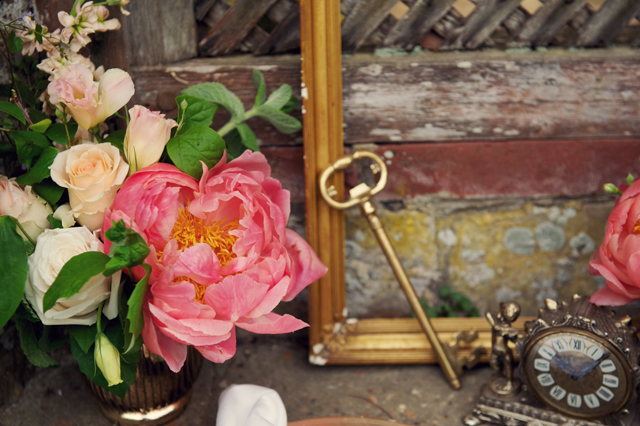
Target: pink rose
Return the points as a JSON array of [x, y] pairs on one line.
[[147, 134], [618, 258], [30, 210], [90, 102], [221, 255]]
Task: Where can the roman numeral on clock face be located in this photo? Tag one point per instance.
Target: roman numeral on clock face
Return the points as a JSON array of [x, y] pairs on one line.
[[592, 401], [574, 400], [557, 392]]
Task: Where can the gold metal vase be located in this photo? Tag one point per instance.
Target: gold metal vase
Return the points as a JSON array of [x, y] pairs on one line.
[[157, 395]]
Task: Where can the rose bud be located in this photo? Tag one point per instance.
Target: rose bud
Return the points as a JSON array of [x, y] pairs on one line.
[[147, 134], [108, 359]]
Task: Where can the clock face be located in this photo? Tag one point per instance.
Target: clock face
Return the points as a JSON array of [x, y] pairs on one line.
[[577, 373]]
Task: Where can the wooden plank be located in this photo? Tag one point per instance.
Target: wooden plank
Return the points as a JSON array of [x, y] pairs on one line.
[[236, 24], [482, 23], [492, 96], [444, 97], [417, 22], [202, 8], [542, 27], [160, 31], [284, 37], [607, 22], [363, 19], [287, 165], [534, 168]]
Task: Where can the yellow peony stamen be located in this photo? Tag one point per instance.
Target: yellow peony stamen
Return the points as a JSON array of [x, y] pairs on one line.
[[190, 230], [200, 289], [636, 229]]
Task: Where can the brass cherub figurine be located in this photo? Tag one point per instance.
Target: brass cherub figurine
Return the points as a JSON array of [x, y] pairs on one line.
[[501, 358]]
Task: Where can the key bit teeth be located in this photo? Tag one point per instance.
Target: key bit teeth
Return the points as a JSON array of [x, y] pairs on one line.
[[331, 191]]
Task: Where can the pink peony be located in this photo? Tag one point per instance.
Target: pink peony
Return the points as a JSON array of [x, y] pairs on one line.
[[618, 258], [221, 255]]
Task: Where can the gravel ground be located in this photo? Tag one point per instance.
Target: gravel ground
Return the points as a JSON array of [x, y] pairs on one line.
[[414, 395]]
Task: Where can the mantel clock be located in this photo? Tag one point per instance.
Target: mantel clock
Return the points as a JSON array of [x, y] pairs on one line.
[[578, 366]]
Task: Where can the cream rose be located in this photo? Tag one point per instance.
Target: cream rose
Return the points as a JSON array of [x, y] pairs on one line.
[[53, 249], [30, 210], [93, 174]]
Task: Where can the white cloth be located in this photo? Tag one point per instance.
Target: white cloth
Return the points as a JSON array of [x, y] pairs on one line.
[[250, 405]]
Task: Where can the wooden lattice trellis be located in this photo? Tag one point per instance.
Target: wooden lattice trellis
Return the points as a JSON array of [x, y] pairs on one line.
[[272, 26]]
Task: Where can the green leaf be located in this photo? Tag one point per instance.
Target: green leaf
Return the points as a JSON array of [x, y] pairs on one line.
[[117, 139], [279, 97], [55, 223], [74, 275], [248, 138], [630, 179], [281, 121], [129, 249], [38, 33], [197, 144], [13, 110], [198, 113], [5, 90], [29, 145], [84, 335], [52, 338], [29, 342], [36, 115], [27, 311], [28, 96], [290, 105], [49, 190], [218, 94], [235, 147], [135, 319], [58, 133], [13, 264], [40, 126], [40, 170], [257, 78], [15, 43]]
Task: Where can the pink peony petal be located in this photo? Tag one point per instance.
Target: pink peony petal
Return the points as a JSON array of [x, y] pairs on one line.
[[173, 352], [235, 296], [271, 324], [308, 267], [220, 352], [199, 263], [605, 296]]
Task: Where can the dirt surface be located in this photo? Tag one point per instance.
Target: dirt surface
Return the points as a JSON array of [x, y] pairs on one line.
[[414, 394]]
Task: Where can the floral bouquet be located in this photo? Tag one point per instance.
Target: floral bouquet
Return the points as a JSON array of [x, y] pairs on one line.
[[167, 233], [618, 258]]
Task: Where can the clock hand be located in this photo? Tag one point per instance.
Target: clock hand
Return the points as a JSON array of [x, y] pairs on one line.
[[586, 369]]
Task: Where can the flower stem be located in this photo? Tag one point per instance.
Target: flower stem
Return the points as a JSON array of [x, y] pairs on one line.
[[233, 124], [24, 232]]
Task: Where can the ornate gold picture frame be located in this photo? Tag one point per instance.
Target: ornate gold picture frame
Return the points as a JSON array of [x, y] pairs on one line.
[[334, 337]]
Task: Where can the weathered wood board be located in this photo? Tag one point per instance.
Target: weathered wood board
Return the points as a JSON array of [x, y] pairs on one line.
[[532, 168], [442, 97]]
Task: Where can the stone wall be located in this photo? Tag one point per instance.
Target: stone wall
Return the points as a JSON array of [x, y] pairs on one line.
[[490, 250]]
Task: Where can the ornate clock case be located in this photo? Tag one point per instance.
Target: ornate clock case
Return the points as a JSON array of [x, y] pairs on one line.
[[578, 367]]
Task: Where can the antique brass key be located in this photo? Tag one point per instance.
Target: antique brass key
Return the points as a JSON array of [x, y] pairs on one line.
[[361, 194]]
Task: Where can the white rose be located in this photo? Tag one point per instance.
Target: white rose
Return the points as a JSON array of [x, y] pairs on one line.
[[93, 173], [30, 210], [53, 249]]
